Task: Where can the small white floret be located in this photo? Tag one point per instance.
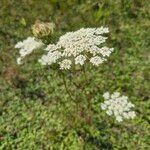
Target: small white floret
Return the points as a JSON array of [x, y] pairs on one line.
[[96, 60], [19, 61], [80, 59], [65, 64], [106, 95]]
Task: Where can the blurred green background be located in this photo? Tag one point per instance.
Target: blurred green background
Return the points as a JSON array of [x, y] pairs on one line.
[[36, 112]]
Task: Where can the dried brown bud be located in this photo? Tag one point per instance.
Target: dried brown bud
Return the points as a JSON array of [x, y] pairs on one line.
[[41, 29]]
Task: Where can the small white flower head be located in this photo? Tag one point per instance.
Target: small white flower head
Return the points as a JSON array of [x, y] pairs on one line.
[[96, 60], [118, 106], [115, 95], [102, 30], [105, 51], [19, 61], [50, 58], [80, 59], [27, 46], [65, 64], [106, 95], [52, 47]]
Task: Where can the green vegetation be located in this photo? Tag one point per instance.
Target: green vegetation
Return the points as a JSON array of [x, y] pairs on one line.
[[36, 113]]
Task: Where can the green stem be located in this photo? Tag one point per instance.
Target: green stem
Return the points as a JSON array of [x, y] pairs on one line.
[[88, 97], [66, 88], [85, 75]]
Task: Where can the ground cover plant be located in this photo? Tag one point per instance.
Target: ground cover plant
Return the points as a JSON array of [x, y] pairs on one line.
[[36, 109]]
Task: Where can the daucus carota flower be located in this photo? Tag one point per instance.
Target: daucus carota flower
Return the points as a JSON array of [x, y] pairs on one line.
[[65, 64], [19, 61], [80, 59], [50, 58], [26, 47], [97, 60], [118, 106], [83, 44], [105, 51]]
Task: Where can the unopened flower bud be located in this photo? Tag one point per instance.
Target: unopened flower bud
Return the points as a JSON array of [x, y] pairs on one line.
[[41, 29]]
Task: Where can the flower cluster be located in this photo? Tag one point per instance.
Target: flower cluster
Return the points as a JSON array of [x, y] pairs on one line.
[[26, 47], [65, 64], [77, 47], [118, 106]]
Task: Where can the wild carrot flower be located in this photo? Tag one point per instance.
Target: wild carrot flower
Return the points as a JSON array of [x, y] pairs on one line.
[[80, 59], [26, 47], [50, 58], [65, 64], [97, 60], [118, 106], [81, 45]]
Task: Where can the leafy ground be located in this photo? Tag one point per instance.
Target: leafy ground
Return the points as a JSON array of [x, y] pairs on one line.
[[35, 110]]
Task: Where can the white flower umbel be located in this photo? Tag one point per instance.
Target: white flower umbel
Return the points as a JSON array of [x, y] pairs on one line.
[[26, 47], [76, 46], [97, 60], [80, 59], [50, 58], [105, 51], [118, 106], [19, 61], [65, 64]]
